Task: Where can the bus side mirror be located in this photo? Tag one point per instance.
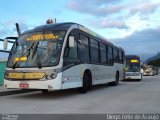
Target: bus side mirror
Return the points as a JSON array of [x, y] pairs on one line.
[[5, 44], [71, 41]]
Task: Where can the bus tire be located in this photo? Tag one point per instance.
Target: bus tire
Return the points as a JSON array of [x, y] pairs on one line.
[[139, 79], [44, 90], [116, 82], [85, 85]]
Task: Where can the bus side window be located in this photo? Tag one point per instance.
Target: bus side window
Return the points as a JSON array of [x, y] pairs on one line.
[[94, 47], [121, 56], [110, 55], [103, 53], [83, 48], [116, 56]]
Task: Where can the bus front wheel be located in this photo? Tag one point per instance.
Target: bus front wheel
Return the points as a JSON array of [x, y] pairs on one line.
[[85, 85]]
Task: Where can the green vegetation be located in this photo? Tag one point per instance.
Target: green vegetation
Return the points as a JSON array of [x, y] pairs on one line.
[[2, 69]]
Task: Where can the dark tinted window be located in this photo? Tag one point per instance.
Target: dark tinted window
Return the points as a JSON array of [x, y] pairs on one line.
[[94, 51], [103, 53], [116, 55], [120, 56], [110, 55], [83, 49]]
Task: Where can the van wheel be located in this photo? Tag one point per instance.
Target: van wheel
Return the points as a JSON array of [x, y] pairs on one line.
[[85, 85]]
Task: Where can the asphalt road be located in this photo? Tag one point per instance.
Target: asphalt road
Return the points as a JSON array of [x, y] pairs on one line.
[[128, 97]]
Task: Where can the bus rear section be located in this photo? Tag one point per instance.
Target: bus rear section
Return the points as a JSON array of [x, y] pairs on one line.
[[133, 67]]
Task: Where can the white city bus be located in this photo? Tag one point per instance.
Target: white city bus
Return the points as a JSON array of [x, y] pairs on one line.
[[62, 56], [133, 67]]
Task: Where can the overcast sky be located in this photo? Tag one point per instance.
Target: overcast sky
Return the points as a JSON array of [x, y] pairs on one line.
[[132, 24]]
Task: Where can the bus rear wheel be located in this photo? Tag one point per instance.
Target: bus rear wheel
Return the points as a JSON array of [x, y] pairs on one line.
[[85, 85], [116, 82], [44, 90]]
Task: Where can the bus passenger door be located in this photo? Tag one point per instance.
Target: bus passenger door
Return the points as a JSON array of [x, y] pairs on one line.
[[70, 63]]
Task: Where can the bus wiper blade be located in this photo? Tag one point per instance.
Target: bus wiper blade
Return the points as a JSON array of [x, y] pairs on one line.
[[14, 65], [34, 53], [39, 64], [35, 49], [28, 51]]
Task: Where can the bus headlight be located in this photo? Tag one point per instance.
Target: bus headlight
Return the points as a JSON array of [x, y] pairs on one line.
[[51, 76], [54, 75]]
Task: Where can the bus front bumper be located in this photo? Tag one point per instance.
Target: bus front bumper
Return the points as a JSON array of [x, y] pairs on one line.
[[133, 77], [53, 84]]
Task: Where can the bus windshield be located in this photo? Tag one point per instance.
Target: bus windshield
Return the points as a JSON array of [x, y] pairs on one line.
[[38, 49], [132, 67]]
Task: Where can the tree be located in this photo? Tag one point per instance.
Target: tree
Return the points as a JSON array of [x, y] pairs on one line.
[[155, 62]]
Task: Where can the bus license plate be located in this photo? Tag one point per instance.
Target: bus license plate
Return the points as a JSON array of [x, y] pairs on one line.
[[24, 85]]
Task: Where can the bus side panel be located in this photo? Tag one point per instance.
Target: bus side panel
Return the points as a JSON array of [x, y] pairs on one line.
[[70, 77], [120, 69], [73, 77], [102, 74]]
